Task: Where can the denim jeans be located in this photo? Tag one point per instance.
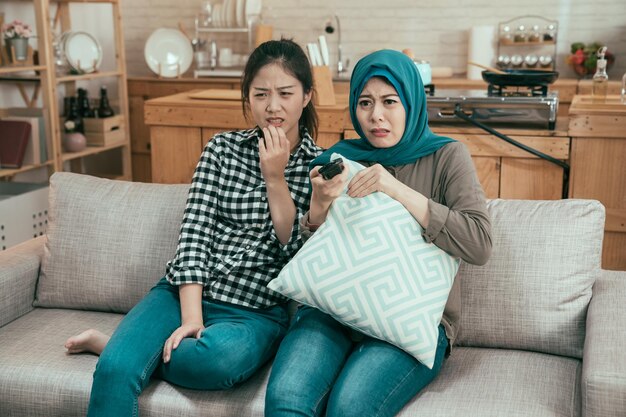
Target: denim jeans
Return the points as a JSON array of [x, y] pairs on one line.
[[236, 342], [319, 367]]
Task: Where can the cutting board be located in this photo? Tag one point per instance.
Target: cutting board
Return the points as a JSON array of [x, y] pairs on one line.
[[216, 94]]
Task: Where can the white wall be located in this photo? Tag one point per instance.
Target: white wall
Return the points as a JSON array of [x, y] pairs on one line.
[[436, 31]]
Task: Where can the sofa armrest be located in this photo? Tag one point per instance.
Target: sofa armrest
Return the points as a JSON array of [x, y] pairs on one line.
[[19, 270], [604, 358]]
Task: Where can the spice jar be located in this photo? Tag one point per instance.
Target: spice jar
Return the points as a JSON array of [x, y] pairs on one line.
[[516, 61], [534, 36], [505, 34], [503, 61], [520, 34], [545, 61], [531, 60], [550, 33]]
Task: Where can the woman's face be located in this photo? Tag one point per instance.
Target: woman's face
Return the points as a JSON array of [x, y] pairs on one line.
[[277, 98], [380, 113]]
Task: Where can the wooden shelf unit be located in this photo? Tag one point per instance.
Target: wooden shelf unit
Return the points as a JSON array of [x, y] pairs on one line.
[[49, 82], [42, 76]]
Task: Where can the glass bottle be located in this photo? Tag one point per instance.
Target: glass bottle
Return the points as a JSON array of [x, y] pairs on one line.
[[104, 110], [84, 108], [73, 122], [600, 81]]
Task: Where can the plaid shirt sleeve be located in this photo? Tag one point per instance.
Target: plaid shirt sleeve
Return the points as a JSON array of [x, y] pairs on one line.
[[190, 265]]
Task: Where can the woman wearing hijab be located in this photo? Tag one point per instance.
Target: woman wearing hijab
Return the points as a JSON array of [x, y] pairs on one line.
[[324, 365]]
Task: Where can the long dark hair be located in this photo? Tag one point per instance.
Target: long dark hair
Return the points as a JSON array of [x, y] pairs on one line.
[[290, 56]]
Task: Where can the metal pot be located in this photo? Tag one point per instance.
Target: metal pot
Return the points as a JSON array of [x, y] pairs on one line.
[[521, 77]]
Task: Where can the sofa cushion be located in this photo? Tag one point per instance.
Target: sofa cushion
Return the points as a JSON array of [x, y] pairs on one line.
[[370, 268], [107, 241], [500, 382], [534, 292], [38, 379]]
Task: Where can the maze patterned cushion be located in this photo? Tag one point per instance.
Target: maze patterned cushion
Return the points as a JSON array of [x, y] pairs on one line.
[[369, 267]]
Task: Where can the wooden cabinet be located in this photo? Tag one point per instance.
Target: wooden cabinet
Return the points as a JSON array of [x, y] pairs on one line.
[[598, 153], [141, 89], [180, 126], [111, 159], [506, 171]]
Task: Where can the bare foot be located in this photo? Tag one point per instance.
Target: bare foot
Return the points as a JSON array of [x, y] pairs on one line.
[[92, 341]]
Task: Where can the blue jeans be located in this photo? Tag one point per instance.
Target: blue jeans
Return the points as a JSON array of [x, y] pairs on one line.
[[236, 342], [319, 367]]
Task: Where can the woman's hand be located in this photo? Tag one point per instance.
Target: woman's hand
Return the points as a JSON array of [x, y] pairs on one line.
[[274, 150], [372, 179], [186, 330], [324, 193]]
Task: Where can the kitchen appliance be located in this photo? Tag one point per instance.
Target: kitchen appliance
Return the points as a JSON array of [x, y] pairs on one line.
[[515, 109], [520, 78], [501, 105]]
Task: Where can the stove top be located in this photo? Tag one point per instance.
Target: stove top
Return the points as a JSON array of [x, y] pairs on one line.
[[514, 108]]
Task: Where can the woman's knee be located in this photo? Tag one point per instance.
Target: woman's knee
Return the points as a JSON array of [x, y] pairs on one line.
[[291, 396], [194, 364], [116, 369]]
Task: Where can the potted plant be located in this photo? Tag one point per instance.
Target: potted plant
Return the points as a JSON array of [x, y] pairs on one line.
[[16, 36], [583, 58]]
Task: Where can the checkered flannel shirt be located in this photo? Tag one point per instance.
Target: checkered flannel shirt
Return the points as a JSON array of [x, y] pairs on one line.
[[227, 240]]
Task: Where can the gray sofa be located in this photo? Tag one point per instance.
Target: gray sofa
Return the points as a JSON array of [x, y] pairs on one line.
[[542, 325]]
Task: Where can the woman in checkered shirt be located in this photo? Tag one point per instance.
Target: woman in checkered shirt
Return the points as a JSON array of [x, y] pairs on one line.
[[211, 322]]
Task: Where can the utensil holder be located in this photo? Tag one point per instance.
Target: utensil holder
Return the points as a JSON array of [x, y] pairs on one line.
[[323, 84], [263, 33]]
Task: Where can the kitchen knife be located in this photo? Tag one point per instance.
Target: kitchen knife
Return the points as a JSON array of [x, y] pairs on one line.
[[316, 52], [309, 47], [324, 50]]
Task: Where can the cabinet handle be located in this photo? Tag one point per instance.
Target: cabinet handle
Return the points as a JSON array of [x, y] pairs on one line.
[[149, 146]]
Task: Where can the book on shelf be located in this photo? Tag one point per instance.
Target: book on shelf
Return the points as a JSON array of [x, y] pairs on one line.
[[14, 138], [41, 124], [32, 155]]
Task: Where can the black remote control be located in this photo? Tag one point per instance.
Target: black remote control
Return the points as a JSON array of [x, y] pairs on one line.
[[329, 170]]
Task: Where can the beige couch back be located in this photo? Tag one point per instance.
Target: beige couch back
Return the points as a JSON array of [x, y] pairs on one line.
[[108, 243]]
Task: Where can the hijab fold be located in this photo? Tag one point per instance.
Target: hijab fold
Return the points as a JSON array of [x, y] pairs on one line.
[[417, 141]]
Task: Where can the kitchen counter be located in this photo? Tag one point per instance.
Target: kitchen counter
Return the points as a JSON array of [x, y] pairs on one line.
[[591, 137], [598, 152], [180, 126]]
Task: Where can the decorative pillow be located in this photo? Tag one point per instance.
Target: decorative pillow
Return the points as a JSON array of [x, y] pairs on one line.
[[369, 267], [107, 241]]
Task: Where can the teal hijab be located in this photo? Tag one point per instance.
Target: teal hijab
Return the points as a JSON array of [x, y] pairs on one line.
[[417, 141]]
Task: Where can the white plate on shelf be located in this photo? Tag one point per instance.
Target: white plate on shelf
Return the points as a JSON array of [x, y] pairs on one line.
[[241, 13], [83, 52], [253, 8], [233, 13], [217, 15], [225, 13], [168, 52]]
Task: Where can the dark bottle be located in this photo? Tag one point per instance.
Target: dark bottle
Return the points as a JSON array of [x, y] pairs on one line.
[[84, 108], [73, 122], [104, 110]]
